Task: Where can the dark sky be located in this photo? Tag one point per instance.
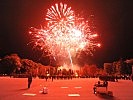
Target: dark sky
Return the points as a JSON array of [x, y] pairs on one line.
[[113, 19]]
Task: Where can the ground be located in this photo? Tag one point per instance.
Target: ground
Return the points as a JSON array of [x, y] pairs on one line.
[[75, 89]]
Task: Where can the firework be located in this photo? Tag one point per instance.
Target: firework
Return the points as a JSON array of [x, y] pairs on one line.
[[65, 34], [60, 14]]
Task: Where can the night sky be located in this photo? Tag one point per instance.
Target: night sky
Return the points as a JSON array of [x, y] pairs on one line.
[[113, 19]]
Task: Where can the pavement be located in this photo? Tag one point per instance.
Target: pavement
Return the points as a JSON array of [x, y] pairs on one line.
[[75, 89]]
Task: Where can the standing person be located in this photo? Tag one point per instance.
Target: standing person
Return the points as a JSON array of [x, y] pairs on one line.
[[29, 80], [116, 78], [106, 84], [52, 78], [94, 89], [132, 77], [46, 77]]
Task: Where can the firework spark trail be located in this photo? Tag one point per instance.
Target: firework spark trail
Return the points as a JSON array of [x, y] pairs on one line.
[[55, 15], [70, 59], [65, 34]]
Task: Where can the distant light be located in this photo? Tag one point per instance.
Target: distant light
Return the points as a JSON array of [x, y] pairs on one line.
[[30, 32], [99, 45]]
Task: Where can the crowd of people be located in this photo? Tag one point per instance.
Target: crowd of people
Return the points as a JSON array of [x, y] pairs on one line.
[[105, 80]]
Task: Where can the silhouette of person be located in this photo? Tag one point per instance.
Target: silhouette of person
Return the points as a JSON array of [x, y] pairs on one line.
[[105, 84], [52, 78], [132, 77], [98, 82], [94, 89], [46, 78], [29, 80], [116, 78]]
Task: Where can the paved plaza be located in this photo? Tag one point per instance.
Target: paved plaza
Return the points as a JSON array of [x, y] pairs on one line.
[[75, 89]]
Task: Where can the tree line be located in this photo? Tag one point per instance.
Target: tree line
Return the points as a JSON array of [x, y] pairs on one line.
[[13, 64]]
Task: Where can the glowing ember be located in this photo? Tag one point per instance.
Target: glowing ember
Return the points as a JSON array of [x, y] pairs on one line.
[[65, 34]]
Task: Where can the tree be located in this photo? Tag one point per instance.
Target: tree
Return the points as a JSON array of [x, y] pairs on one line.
[[9, 63], [125, 68], [93, 70], [29, 65], [85, 71], [108, 68]]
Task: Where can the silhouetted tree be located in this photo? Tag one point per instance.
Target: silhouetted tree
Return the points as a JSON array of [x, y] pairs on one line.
[[108, 68], [93, 70], [9, 63], [29, 65]]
